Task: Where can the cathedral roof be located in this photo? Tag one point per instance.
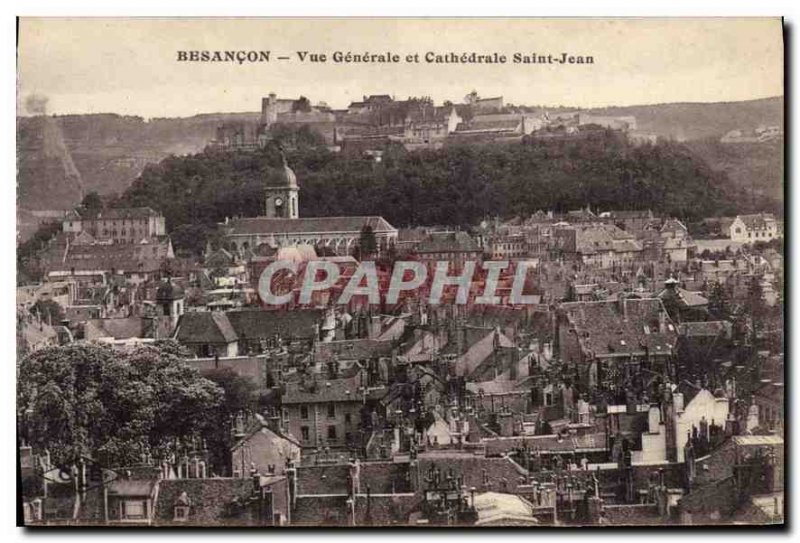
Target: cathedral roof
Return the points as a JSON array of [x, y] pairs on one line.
[[307, 225]]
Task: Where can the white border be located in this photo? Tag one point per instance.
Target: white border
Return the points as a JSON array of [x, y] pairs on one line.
[[340, 8]]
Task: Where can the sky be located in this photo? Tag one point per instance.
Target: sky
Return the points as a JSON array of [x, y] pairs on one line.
[[129, 66]]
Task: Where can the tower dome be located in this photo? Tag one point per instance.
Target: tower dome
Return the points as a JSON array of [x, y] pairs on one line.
[[285, 178]]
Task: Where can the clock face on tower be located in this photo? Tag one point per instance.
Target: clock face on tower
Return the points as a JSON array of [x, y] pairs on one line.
[[278, 202]]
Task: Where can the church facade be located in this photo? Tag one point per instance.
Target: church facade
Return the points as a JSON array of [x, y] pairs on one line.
[[281, 226]]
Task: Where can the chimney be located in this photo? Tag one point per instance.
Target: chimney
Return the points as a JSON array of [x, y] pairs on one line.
[[374, 326], [677, 402], [514, 367], [506, 422], [291, 474]]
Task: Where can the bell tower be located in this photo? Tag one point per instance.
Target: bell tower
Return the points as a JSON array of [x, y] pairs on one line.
[[282, 194]]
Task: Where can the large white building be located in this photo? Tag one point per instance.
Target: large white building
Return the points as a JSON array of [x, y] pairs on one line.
[[752, 228]]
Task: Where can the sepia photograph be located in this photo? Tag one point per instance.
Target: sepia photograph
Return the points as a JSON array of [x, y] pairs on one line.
[[400, 272]]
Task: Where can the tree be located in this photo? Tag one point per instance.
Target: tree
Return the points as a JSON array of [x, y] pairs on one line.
[[92, 202], [367, 244], [719, 303], [49, 311], [755, 298], [94, 401], [240, 397]]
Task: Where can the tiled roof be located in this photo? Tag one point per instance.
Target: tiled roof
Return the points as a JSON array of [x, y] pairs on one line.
[[323, 390], [444, 242], [704, 329], [308, 225], [758, 440], [546, 443], [496, 387], [758, 220], [673, 225], [144, 257], [687, 297], [631, 214], [625, 326], [503, 509], [205, 327], [594, 238], [246, 324], [209, 498], [121, 213], [352, 349], [132, 487], [501, 474], [495, 315], [126, 328], [257, 323]]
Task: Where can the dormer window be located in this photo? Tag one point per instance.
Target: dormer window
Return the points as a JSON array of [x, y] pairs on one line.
[[182, 507], [133, 509], [181, 513]]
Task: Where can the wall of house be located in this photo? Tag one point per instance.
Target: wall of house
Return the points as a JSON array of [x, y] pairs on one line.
[[263, 449], [345, 422], [704, 404]]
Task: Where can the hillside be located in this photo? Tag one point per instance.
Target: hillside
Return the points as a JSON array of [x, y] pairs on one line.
[[690, 121], [102, 153], [756, 167], [457, 185], [62, 157]]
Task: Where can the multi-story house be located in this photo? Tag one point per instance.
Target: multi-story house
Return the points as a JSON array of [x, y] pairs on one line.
[[506, 247], [323, 412], [752, 228], [601, 245], [119, 225], [454, 247]]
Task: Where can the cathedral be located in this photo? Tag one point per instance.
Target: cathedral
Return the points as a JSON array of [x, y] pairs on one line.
[[282, 226]]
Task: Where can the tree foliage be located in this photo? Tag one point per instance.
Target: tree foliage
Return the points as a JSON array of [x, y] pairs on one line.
[[49, 311], [719, 302], [240, 397], [92, 202], [367, 243], [455, 185], [88, 399]]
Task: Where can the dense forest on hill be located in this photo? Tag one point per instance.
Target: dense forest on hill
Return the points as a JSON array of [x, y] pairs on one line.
[[457, 185], [754, 167]]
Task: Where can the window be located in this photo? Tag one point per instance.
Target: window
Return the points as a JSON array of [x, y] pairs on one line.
[[303, 411], [331, 411], [181, 512], [304, 432], [347, 418], [331, 432], [132, 509], [738, 230]]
